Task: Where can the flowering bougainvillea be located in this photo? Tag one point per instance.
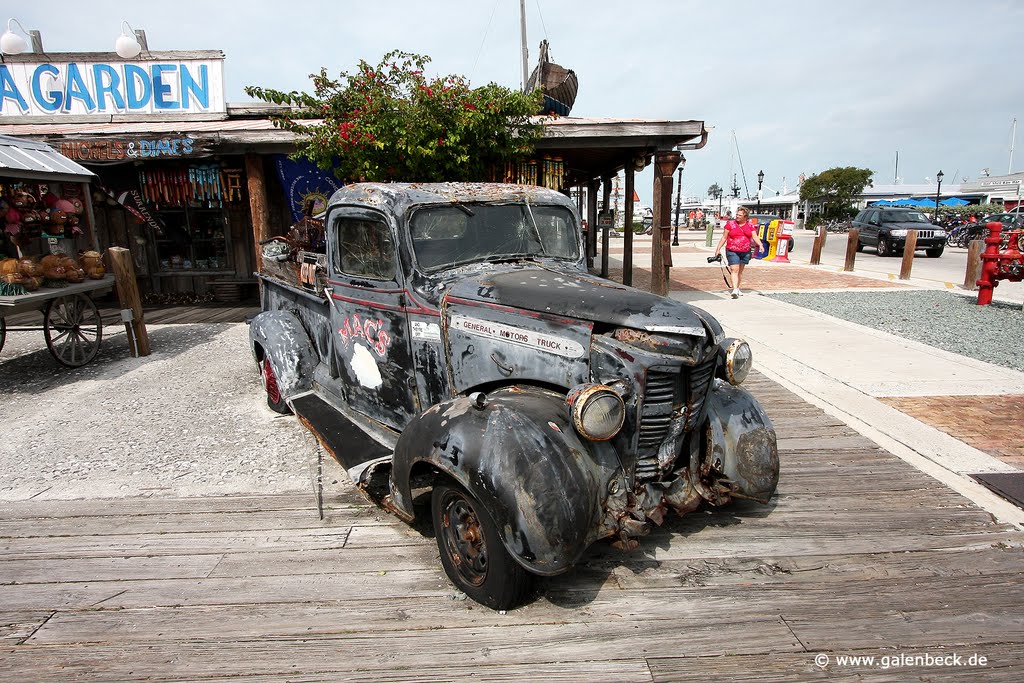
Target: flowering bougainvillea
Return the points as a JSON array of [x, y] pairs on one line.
[[392, 122]]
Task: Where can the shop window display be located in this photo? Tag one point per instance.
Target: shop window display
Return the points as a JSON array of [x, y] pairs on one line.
[[193, 240]]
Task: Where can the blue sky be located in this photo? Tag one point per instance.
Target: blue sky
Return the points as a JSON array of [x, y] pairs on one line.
[[806, 86]]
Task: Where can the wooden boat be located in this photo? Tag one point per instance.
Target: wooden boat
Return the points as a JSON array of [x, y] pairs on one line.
[[558, 84]]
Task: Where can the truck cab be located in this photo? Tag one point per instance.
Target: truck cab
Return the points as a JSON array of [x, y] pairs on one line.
[[451, 338]]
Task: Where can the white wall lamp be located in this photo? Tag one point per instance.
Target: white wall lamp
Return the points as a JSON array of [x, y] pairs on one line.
[[126, 46], [10, 42]]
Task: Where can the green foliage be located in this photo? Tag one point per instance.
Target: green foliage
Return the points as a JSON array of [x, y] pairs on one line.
[[835, 189], [391, 122], [979, 210], [715, 191]]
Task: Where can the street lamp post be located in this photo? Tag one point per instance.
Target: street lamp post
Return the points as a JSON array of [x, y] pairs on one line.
[[679, 189], [938, 191], [760, 179]]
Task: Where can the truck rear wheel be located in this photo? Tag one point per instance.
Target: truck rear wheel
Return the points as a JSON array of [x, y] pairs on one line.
[[472, 554], [274, 400]]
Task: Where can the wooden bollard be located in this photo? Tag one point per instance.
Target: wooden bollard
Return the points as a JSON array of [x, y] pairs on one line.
[[851, 248], [128, 296], [974, 250], [908, 254], [819, 242]]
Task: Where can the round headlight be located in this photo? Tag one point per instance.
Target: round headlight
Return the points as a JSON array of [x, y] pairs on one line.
[[738, 361], [597, 411]]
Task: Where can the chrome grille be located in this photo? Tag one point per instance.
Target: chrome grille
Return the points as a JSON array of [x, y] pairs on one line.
[[699, 382], [656, 418]]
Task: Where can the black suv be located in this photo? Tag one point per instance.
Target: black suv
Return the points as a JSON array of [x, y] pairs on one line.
[[886, 230]]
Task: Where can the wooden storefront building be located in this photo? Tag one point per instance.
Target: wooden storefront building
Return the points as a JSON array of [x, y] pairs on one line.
[[189, 183]]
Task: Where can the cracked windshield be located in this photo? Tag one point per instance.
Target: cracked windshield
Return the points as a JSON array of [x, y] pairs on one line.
[[464, 233]]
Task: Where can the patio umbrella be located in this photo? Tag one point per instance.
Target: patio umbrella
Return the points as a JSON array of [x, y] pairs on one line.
[[953, 201], [882, 202]]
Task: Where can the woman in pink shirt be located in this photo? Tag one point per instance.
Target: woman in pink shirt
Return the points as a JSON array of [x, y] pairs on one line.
[[736, 239]]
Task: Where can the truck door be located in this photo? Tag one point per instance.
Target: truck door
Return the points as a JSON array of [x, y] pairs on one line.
[[368, 316]]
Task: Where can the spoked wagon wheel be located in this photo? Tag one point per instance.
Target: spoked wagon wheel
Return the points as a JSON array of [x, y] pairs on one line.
[[73, 330]]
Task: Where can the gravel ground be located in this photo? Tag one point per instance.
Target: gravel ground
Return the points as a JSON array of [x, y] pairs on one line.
[[946, 320], [190, 419]]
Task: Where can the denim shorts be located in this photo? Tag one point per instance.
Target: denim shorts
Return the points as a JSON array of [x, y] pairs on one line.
[[737, 257]]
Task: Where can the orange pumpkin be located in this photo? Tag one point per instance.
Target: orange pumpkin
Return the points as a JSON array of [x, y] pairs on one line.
[[90, 258], [30, 267], [13, 278]]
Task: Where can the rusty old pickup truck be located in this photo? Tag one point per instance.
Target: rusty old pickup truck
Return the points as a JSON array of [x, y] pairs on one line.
[[450, 340]]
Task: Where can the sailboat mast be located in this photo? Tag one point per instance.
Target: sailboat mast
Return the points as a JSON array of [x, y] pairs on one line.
[[522, 40]]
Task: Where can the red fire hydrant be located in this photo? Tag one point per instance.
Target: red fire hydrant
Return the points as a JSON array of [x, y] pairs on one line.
[[998, 265]]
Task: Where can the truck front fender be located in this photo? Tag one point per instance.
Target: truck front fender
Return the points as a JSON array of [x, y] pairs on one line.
[[520, 457], [741, 442], [279, 337]]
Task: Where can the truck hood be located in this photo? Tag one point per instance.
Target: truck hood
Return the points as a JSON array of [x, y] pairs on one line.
[[584, 297]]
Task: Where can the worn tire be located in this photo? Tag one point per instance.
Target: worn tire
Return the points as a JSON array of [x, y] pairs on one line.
[[274, 400], [860, 246], [934, 253], [472, 554], [884, 248]]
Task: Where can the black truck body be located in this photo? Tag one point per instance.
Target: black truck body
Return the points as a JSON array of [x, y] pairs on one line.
[[451, 337]]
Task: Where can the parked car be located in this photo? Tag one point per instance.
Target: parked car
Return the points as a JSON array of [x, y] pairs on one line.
[[451, 341], [1009, 219], [766, 218], [886, 230]]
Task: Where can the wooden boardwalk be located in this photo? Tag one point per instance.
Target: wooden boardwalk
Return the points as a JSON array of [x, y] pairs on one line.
[[859, 554]]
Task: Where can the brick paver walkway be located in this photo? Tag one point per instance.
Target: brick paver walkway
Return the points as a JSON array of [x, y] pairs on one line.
[[994, 424]]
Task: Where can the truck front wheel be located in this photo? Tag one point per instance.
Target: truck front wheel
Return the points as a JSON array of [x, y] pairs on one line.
[[472, 554]]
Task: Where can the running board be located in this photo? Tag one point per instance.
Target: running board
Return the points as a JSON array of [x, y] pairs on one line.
[[345, 441]]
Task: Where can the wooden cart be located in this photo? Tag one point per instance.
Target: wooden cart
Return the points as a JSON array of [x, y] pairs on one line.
[[71, 325]]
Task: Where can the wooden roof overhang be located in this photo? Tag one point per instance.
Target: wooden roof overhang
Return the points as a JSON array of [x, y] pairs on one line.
[[601, 147]]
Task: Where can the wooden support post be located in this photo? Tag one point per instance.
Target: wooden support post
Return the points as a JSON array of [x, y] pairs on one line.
[[974, 250], [606, 195], [128, 296], [851, 248], [627, 256], [819, 242], [257, 204], [90, 217], [908, 255], [591, 221], [665, 164]]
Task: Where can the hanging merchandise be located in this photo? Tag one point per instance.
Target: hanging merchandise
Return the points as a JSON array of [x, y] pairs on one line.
[[176, 187]]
